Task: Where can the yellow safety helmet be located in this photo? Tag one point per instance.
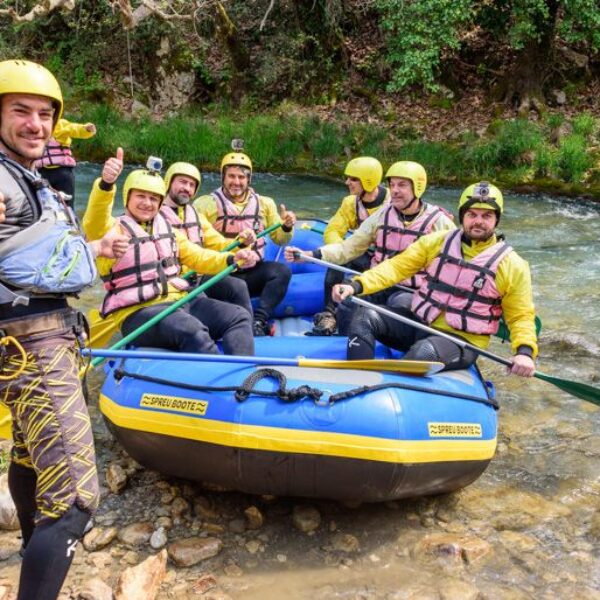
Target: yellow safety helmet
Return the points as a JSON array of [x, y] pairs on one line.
[[407, 169], [236, 159], [367, 169], [145, 181], [481, 195], [182, 168], [26, 77]]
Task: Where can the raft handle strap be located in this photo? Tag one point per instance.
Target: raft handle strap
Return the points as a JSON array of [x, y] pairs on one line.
[[241, 392]]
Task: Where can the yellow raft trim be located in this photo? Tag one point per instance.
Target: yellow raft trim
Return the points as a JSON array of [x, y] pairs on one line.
[[276, 439]]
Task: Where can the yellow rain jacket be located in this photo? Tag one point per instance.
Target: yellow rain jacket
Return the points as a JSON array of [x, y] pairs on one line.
[[65, 131], [513, 280]]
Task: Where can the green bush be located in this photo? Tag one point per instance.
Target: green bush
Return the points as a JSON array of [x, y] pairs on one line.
[[572, 159]]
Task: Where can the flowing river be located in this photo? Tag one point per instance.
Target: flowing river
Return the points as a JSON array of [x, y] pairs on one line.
[[528, 528]]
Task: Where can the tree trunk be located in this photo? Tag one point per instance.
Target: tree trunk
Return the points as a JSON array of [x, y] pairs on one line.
[[238, 54], [523, 85]]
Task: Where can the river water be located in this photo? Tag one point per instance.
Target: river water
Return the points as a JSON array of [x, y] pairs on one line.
[[530, 526]]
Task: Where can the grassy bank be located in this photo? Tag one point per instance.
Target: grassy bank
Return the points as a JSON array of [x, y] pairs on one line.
[[552, 155]]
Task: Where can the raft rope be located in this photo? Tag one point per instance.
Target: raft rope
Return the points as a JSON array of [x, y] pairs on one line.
[[244, 391], [4, 342]]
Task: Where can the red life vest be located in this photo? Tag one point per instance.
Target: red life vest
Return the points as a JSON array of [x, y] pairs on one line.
[[464, 290], [56, 155], [394, 235], [145, 271], [189, 226], [362, 214], [230, 222]]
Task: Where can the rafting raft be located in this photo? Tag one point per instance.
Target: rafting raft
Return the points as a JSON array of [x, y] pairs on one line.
[[291, 430]]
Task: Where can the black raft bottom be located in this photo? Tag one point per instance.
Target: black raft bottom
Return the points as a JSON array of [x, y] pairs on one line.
[[287, 474]]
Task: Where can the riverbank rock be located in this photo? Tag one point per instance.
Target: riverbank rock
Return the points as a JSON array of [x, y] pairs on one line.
[[136, 534], [116, 478], [143, 581], [8, 512], [99, 537], [95, 589], [191, 551], [306, 518], [464, 548], [254, 518]]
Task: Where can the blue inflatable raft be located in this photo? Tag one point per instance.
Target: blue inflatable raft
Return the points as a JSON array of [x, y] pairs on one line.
[[345, 434]]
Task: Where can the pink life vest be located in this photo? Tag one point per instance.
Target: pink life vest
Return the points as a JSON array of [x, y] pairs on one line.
[[145, 271], [231, 223], [56, 155], [465, 290], [189, 226], [394, 235]]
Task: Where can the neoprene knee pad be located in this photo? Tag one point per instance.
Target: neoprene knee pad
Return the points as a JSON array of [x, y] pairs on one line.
[[423, 350]]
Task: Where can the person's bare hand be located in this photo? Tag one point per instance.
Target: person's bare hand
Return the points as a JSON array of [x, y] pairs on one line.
[[112, 167]]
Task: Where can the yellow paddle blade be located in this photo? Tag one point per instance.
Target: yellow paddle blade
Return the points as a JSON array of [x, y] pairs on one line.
[[101, 330], [5, 423], [408, 367]]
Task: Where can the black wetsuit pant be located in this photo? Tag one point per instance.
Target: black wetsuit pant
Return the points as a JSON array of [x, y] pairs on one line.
[[61, 179], [269, 280], [230, 289], [333, 277], [195, 327], [368, 326]]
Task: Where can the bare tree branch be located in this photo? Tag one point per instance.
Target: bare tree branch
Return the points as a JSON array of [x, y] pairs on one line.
[[42, 9], [264, 19]]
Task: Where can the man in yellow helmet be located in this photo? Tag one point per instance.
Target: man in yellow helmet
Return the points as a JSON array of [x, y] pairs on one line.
[[234, 207], [183, 182], [44, 260], [147, 278], [363, 178], [390, 230], [472, 278]]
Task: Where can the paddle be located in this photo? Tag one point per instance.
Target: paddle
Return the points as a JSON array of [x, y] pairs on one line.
[[503, 332], [168, 310], [408, 367], [575, 388]]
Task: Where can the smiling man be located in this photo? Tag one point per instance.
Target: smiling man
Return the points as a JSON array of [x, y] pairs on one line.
[[235, 207], [471, 279], [43, 260]]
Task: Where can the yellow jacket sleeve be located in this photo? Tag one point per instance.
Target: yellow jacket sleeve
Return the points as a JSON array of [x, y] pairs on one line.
[[65, 130], [206, 206], [213, 240], [514, 283], [98, 219], [402, 266], [354, 246], [201, 260], [343, 220]]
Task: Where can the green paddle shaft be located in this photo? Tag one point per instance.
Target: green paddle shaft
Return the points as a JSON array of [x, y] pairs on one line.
[[238, 243], [575, 388], [167, 311]]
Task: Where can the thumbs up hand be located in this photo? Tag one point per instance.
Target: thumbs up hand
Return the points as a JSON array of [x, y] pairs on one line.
[[113, 167], [288, 218], [2, 208]]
